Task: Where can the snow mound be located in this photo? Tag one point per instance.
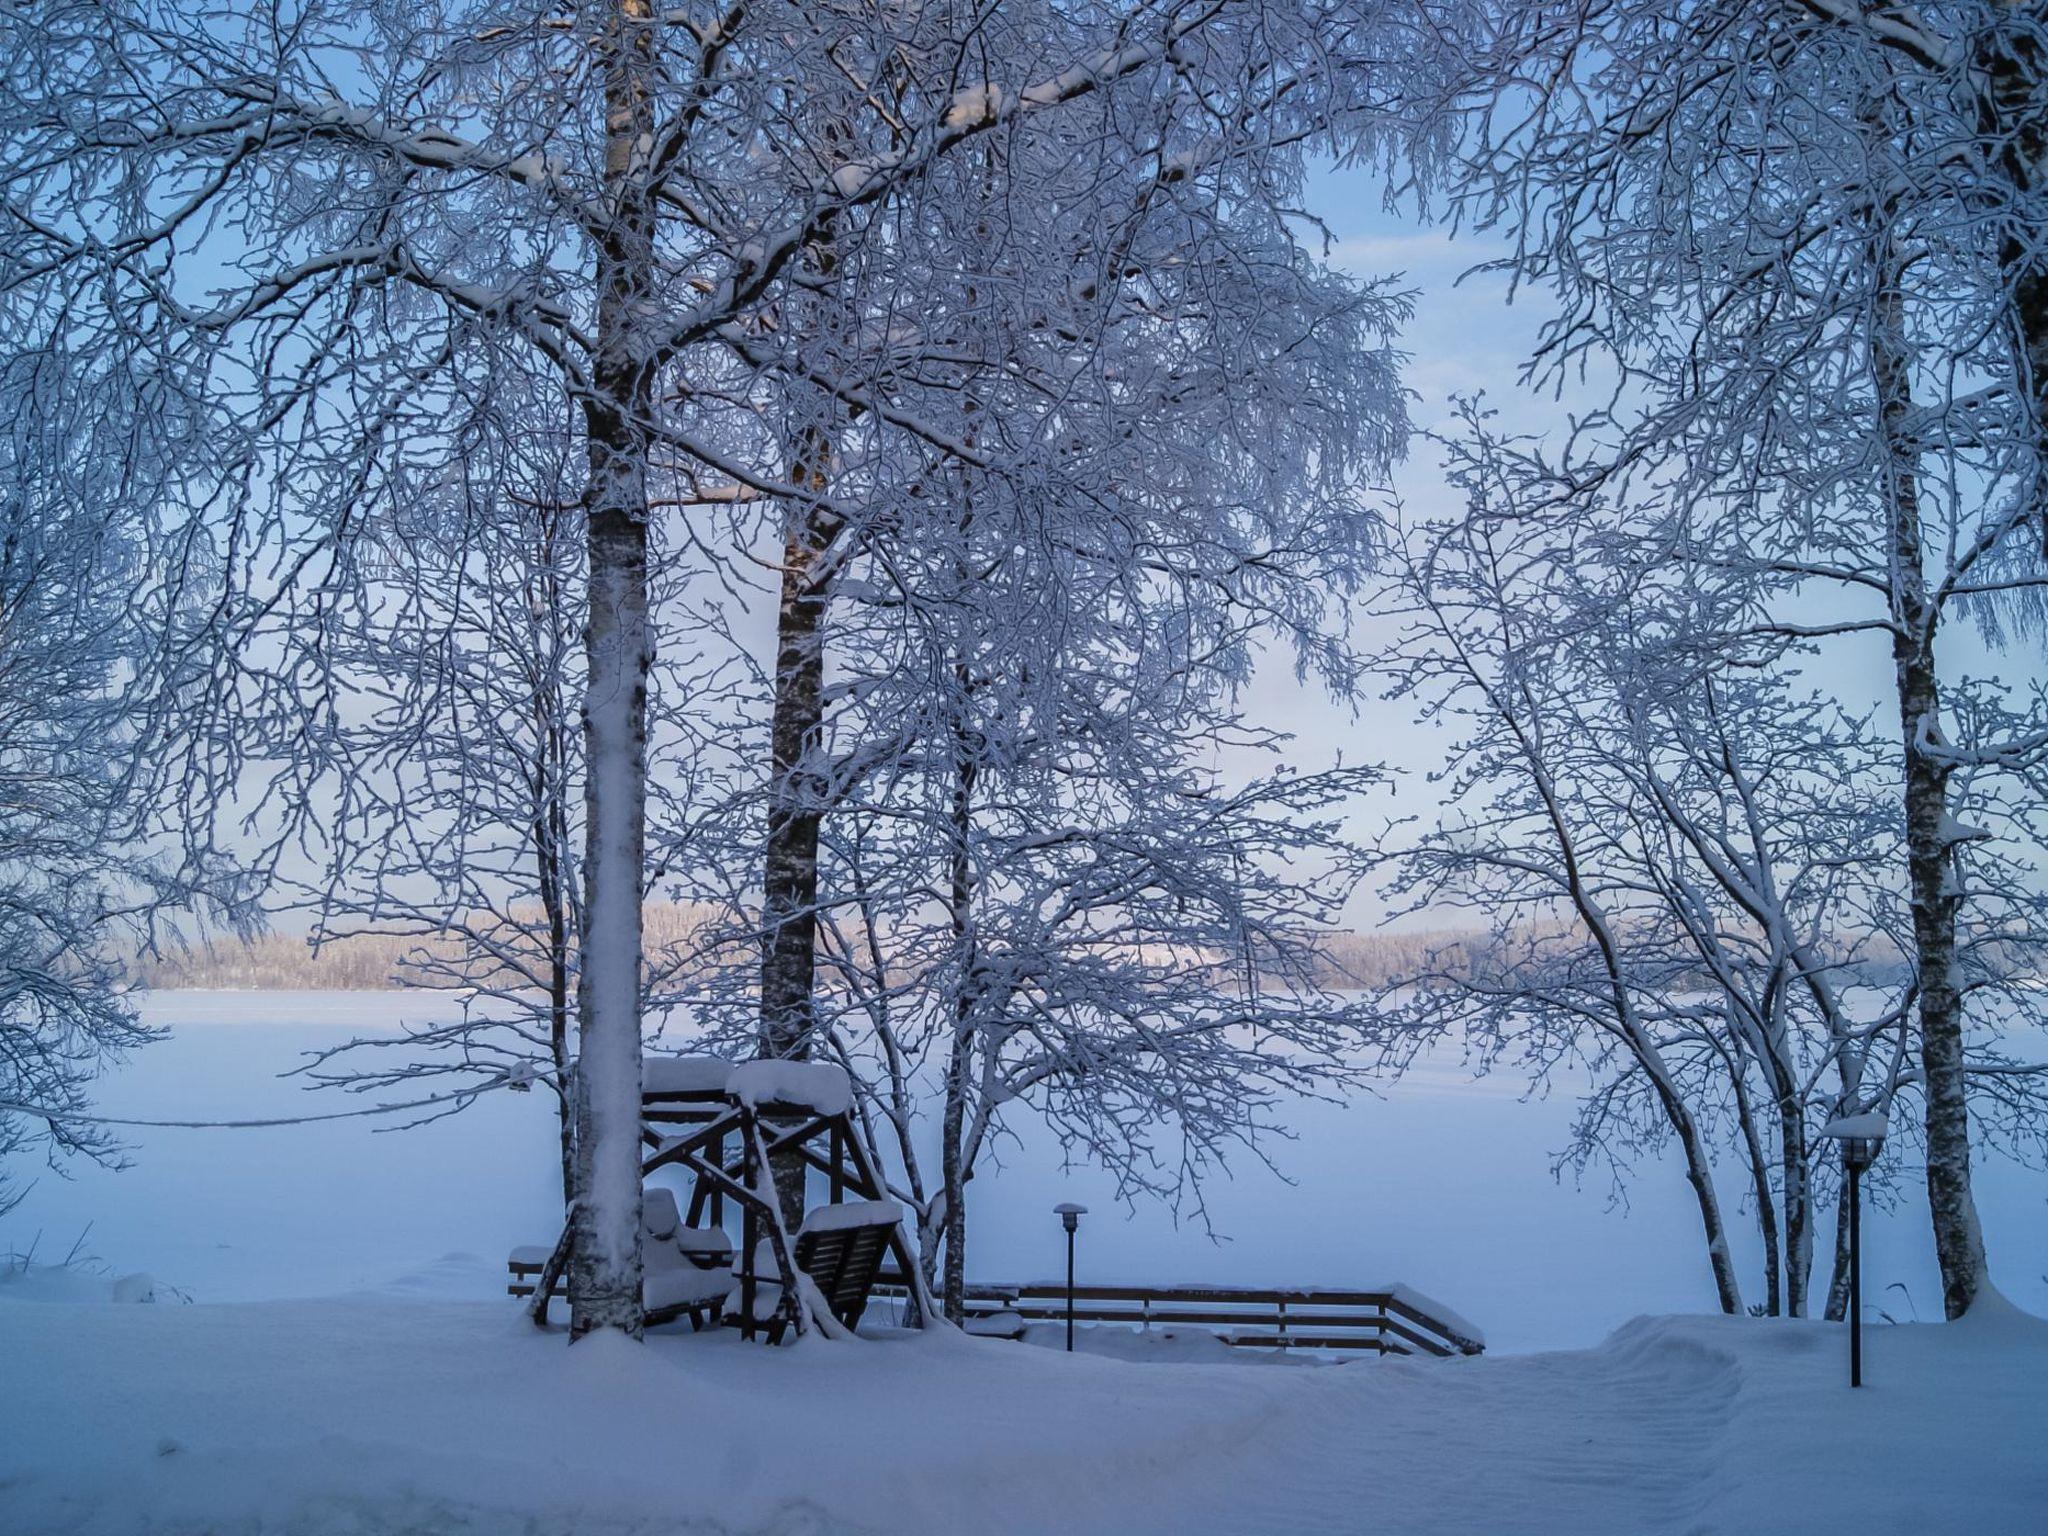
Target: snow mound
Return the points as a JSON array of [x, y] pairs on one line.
[[80, 1283], [1161, 1344], [384, 1417], [453, 1276]]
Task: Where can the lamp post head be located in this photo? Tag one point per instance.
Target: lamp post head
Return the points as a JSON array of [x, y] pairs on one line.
[[1070, 1214], [1862, 1138]]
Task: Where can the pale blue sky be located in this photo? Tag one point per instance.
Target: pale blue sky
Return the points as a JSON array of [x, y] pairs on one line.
[[1467, 338]]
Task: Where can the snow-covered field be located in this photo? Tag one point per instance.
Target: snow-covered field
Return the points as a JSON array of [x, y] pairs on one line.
[[373, 1417], [1444, 1184], [353, 1366]]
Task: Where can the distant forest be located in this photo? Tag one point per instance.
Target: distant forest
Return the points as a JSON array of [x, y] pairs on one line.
[[288, 962]]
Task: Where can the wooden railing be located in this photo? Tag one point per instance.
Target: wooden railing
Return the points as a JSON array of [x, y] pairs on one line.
[[1388, 1322]]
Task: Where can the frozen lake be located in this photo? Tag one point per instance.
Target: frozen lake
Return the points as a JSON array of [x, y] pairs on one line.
[[1444, 1183]]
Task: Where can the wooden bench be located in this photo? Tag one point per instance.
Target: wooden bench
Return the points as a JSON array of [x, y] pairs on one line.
[[1392, 1321], [666, 1294], [687, 1271], [841, 1248]]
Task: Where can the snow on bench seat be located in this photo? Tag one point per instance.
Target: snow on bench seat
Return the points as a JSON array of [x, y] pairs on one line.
[[684, 1286], [852, 1213], [528, 1256], [819, 1086], [703, 1241]]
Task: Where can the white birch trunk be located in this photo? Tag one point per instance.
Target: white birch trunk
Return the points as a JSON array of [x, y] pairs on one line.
[[604, 1270]]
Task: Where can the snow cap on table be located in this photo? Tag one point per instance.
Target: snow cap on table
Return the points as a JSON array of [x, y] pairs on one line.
[[821, 1086], [684, 1074]]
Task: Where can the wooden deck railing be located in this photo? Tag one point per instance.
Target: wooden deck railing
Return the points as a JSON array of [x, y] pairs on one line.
[[1389, 1322]]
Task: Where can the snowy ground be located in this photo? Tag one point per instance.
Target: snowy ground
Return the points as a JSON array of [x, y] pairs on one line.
[[376, 1417], [1444, 1184]]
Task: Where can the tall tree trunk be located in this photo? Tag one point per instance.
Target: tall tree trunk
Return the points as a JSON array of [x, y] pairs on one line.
[[1699, 1172], [953, 1173], [1930, 856], [799, 791], [604, 1267], [960, 1061], [604, 1270], [799, 785]]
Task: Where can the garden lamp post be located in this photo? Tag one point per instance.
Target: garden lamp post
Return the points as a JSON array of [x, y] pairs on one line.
[[1070, 1216], [1862, 1138]]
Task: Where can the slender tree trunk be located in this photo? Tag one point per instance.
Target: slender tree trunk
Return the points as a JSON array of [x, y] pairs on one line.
[[558, 1043], [1760, 1190], [931, 1233], [1699, 1174], [604, 1267], [799, 790], [551, 857], [960, 1061], [1798, 1200], [1930, 857], [953, 1173]]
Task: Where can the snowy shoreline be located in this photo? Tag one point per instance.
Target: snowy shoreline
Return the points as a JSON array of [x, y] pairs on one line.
[[1444, 1184]]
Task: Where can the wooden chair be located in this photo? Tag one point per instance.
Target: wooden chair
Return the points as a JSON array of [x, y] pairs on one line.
[[841, 1247]]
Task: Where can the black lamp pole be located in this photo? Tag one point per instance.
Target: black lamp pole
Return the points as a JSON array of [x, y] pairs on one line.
[[1071, 1225], [1070, 1216], [1855, 1271], [1862, 1138]]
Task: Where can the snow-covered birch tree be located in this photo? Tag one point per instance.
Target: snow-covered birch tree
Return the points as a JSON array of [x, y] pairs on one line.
[[1689, 859], [301, 234], [1796, 234]]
